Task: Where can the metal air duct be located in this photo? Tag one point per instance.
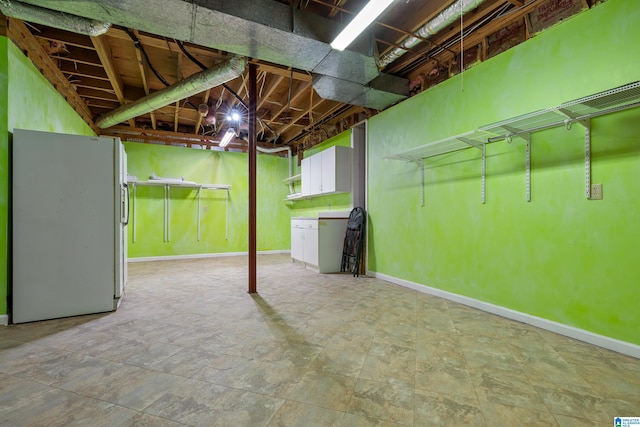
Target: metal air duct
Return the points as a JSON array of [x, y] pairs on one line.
[[381, 92], [190, 86], [263, 29], [52, 18], [438, 23]]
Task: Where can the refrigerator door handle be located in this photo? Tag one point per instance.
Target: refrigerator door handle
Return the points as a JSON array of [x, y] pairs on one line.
[[125, 200]]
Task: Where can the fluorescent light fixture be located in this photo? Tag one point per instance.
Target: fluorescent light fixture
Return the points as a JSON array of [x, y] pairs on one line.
[[228, 136], [362, 20]]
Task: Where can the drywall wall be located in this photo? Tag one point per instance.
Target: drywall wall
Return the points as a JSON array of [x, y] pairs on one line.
[[223, 227], [28, 102], [559, 257], [334, 202]]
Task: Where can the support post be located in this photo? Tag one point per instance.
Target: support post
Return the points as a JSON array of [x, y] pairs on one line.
[[253, 95]]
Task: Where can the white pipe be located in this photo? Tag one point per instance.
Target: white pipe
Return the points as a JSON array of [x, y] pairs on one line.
[[289, 155]]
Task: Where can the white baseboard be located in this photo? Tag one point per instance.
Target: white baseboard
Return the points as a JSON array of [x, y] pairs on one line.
[[4, 319], [196, 256], [549, 325]]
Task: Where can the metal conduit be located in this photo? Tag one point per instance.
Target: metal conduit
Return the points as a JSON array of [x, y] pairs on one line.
[[289, 156], [439, 22], [190, 86]]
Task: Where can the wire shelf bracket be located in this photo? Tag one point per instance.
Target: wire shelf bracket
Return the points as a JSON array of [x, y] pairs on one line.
[[579, 111]]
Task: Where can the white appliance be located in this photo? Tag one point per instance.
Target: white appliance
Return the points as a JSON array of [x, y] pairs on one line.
[[70, 208]]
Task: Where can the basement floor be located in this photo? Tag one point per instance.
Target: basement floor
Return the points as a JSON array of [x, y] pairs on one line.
[[189, 346]]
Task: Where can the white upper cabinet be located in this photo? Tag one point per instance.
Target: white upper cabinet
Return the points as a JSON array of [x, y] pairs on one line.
[[327, 172]]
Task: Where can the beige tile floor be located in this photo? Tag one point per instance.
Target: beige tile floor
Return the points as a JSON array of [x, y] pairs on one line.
[[189, 346]]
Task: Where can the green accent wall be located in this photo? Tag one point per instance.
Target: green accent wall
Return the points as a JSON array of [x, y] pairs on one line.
[[218, 234], [559, 257], [27, 101], [334, 202]]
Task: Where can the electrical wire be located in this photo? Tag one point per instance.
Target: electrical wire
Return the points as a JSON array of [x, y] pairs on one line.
[[286, 113], [138, 45], [501, 12], [224, 85], [204, 67]]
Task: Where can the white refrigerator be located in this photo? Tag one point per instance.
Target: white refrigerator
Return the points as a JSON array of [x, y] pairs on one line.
[[70, 208]]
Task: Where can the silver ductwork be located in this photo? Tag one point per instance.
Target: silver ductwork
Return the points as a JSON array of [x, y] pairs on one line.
[[190, 86], [263, 29], [381, 92], [51, 18], [438, 23]]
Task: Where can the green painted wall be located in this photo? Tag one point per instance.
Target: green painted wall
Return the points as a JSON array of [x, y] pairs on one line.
[[334, 202], [27, 101], [559, 257], [35, 104], [211, 167]]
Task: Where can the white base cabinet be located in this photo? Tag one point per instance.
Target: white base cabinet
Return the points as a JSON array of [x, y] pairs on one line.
[[318, 242]]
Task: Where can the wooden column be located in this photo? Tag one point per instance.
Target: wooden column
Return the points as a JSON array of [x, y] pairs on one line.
[[253, 99]]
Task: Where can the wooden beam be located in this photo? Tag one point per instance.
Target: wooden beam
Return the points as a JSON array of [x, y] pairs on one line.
[[143, 74], [451, 31], [476, 37], [335, 10], [205, 100], [301, 90], [176, 116], [84, 70], [22, 37], [273, 84], [283, 71], [90, 82], [66, 37], [104, 53], [81, 56], [243, 87], [96, 94], [302, 114], [161, 43]]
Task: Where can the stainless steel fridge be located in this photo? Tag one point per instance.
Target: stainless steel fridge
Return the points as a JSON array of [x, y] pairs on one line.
[[70, 208]]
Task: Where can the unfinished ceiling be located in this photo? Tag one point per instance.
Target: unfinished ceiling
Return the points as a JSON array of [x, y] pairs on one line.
[[169, 71]]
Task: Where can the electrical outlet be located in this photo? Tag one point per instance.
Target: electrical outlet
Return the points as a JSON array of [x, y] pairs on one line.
[[596, 191]]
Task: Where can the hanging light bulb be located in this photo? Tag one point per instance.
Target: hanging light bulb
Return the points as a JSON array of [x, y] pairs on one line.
[[203, 110]]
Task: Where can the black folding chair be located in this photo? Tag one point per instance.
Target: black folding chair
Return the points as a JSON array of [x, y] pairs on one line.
[[354, 241]]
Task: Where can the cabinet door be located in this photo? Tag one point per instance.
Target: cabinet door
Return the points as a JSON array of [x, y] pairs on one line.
[[297, 243], [311, 245], [306, 176], [328, 170], [342, 166], [336, 169], [315, 169]]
